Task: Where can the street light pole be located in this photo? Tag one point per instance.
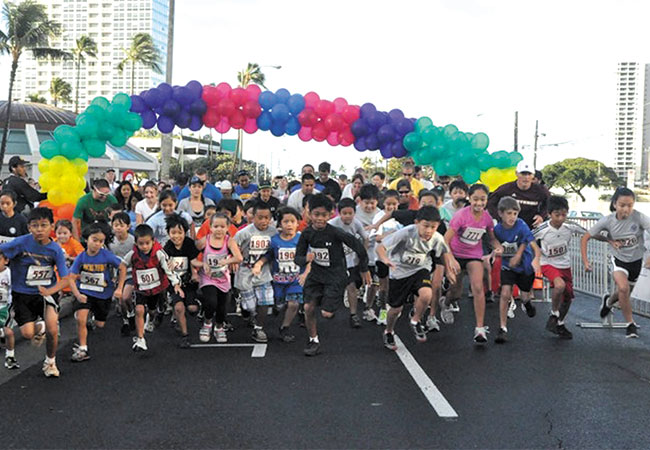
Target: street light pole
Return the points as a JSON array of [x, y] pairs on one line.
[[535, 148]]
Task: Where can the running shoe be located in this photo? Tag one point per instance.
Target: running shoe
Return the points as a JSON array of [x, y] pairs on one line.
[[39, 334], [480, 335], [220, 335], [446, 314], [563, 332], [604, 309], [148, 324], [50, 370], [502, 336], [369, 315], [632, 331], [489, 297], [512, 307], [90, 323], [455, 306], [383, 314], [285, 335], [354, 321], [11, 363], [184, 342], [312, 348], [389, 341], [204, 332], [228, 326], [259, 335], [432, 324], [420, 335], [346, 302], [529, 308], [551, 324], [139, 345], [79, 355]]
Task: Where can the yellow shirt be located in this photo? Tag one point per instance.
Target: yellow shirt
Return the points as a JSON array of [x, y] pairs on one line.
[[416, 186]]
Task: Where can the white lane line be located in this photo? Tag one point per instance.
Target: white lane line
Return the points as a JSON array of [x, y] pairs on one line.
[[430, 391], [259, 350]]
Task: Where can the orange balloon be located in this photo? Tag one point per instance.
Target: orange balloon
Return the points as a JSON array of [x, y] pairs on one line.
[[65, 211]]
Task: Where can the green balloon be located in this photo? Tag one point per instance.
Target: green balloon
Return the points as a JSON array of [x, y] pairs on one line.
[[83, 155], [449, 130], [97, 113], [431, 135], [106, 131], [484, 161], [515, 158], [115, 114], [458, 143], [501, 159], [471, 174], [102, 102], [422, 124], [87, 126], [417, 156], [71, 149], [480, 141], [451, 166], [412, 141], [49, 149], [132, 122], [439, 167], [123, 100], [119, 138], [437, 150], [94, 148], [63, 133]]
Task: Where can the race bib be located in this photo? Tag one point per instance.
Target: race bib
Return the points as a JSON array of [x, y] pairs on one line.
[[628, 242], [471, 235], [509, 248], [216, 271], [557, 250], [147, 279], [92, 281], [39, 275], [5, 239], [285, 261], [321, 256], [179, 264], [258, 247], [414, 259]]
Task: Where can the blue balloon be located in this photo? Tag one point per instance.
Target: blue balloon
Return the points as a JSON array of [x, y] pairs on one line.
[[267, 99], [148, 119], [396, 115], [368, 108], [360, 144], [293, 126], [385, 150], [372, 142], [359, 128], [165, 124], [154, 98], [171, 109], [137, 104], [182, 95], [296, 104], [198, 107], [376, 120], [277, 129], [183, 119], [280, 113], [166, 90], [403, 127], [398, 150], [282, 95], [196, 123], [264, 121], [195, 88], [386, 134]]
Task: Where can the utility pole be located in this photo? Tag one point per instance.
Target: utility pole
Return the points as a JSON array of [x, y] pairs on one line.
[[535, 148], [516, 131], [167, 140]]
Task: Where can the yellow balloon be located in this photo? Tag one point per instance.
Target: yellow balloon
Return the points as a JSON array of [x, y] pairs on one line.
[[58, 164], [46, 180], [55, 196], [44, 165], [80, 166]]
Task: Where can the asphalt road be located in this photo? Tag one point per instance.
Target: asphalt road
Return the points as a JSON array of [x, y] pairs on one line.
[[535, 391]]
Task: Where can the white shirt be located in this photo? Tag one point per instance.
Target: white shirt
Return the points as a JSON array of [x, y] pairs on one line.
[[295, 199], [5, 288], [144, 210], [555, 243]]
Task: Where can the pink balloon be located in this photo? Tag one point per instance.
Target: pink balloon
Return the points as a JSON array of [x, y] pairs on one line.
[[334, 122], [239, 96], [346, 138], [319, 132], [253, 92], [210, 95], [305, 134], [211, 118], [340, 104], [250, 126], [333, 138], [223, 126], [311, 100], [351, 114], [252, 109], [223, 89], [324, 108], [307, 118], [237, 120], [226, 107]]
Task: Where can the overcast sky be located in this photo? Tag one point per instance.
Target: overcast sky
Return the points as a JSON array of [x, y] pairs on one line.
[[472, 63]]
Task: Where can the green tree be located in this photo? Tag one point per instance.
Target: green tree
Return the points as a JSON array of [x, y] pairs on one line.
[[142, 51], [219, 168], [28, 28], [574, 174], [85, 46], [35, 98], [60, 90]]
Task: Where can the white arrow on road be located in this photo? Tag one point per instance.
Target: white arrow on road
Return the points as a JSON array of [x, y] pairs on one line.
[[259, 350]]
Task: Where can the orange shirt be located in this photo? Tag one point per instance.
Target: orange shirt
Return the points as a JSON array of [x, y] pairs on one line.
[[72, 248], [205, 230], [302, 225]]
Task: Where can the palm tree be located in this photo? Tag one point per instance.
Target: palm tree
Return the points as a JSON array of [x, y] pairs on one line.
[[142, 51], [28, 28], [86, 46], [35, 98], [60, 90]]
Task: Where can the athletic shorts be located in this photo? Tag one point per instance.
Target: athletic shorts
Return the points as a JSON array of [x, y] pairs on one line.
[[261, 295], [281, 295], [354, 276], [631, 269], [151, 301], [464, 261], [5, 316], [523, 280], [551, 273], [98, 306], [328, 295], [29, 307], [381, 270], [190, 294], [399, 290]]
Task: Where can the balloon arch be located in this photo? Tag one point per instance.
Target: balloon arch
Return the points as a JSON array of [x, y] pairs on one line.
[[448, 150]]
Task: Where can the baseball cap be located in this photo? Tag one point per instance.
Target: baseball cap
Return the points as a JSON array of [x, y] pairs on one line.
[[218, 184], [525, 166], [241, 173], [17, 161], [195, 180], [225, 184], [143, 182], [265, 184]]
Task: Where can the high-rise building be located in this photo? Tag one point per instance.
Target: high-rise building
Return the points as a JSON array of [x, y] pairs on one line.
[[112, 25], [632, 131]]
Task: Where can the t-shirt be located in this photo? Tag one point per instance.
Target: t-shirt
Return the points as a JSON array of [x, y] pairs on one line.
[[163, 261], [159, 225], [72, 248], [554, 243], [410, 253], [142, 208], [89, 210], [295, 199], [273, 204], [197, 216], [533, 201], [355, 229], [209, 190], [254, 244], [94, 273], [12, 227], [180, 260], [628, 233], [416, 186], [450, 208], [511, 239], [466, 242], [121, 248], [285, 271], [327, 246], [5, 289], [32, 264], [247, 192], [407, 217], [368, 219]]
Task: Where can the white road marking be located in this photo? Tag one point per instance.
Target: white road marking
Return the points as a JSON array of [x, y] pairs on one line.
[[259, 350], [430, 391]]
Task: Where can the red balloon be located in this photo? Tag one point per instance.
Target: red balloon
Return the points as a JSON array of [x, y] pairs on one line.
[[319, 132], [324, 108], [252, 109], [333, 138], [65, 211], [210, 95], [223, 89], [340, 104], [223, 126], [307, 118], [226, 107], [346, 138], [311, 100], [211, 118], [250, 126], [253, 92], [305, 134], [334, 122], [351, 114], [237, 120], [239, 96]]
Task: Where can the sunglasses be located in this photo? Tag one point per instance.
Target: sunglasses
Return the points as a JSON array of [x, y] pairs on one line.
[[100, 193], [404, 192], [407, 174]]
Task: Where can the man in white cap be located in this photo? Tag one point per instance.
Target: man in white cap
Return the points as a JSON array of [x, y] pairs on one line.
[[533, 198], [226, 190]]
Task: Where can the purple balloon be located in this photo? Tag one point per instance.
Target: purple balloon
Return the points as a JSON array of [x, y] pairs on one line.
[[359, 128], [196, 123], [183, 119], [385, 150], [165, 124], [385, 134], [159, 111], [182, 95], [148, 119], [398, 150], [154, 98], [171, 109], [376, 120], [195, 88], [166, 90], [360, 144], [137, 104], [367, 108], [403, 127], [372, 142], [396, 115], [198, 107]]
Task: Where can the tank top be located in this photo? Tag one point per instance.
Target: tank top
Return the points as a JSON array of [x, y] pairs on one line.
[[219, 276]]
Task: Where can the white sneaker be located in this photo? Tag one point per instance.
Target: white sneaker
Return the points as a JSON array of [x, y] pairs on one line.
[[511, 309], [446, 314], [432, 324], [204, 333], [139, 345], [220, 335], [39, 334], [480, 335], [148, 324], [369, 315], [383, 314], [50, 370], [346, 302], [455, 307]]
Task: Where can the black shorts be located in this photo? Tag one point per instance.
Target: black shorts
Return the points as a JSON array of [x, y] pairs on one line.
[[100, 307], [381, 270], [400, 289], [354, 276], [329, 294], [464, 261], [522, 280], [190, 294], [631, 269], [29, 307], [151, 301]]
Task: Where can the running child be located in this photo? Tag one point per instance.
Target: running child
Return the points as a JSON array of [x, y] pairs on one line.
[[71, 247], [168, 203], [407, 253], [554, 237], [151, 278], [625, 228], [6, 332], [33, 259], [518, 265], [123, 243], [94, 287], [346, 221], [322, 245], [12, 225], [463, 236]]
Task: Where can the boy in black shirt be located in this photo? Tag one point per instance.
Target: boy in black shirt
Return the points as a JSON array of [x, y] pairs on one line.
[[326, 282]]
